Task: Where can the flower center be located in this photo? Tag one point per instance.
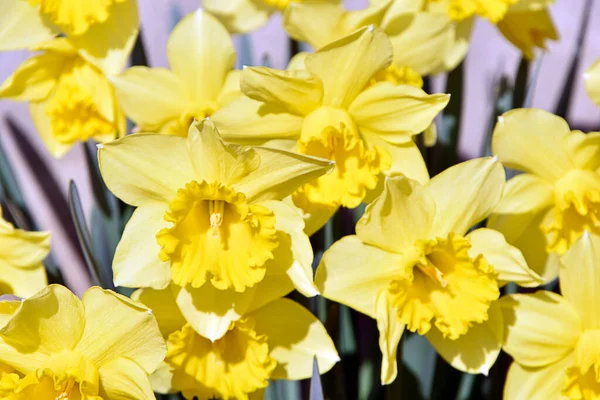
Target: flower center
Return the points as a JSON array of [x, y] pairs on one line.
[[217, 236], [181, 126], [75, 16], [403, 75], [582, 380], [331, 133], [232, 367], [445, 284], [493, 10], [577, 209]]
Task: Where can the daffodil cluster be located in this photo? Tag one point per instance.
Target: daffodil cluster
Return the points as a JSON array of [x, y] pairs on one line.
[[229, 172]]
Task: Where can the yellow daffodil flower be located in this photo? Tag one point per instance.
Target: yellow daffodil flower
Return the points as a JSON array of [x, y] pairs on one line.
[[553, 339], [22, 273], [103, 31], [440, 44], [333, 109], [275, 339], [413, 265], [60, 347], [208, 220], [592, 82], [202, 56], [243, 16], [70, 99], [545, 209]]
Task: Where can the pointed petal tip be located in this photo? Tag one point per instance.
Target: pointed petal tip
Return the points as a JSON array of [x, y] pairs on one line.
[[371, 28], [99, 146], [501, 119]]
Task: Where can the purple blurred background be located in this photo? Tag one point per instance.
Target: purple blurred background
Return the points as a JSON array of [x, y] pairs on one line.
[[490, 57]]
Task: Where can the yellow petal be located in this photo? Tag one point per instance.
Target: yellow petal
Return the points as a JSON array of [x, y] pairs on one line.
[[239, 16], [528, 30], [231, 88], [280, 173], [476, 351], [353, 273], [136, 262], [249, 121], [216, 161], [295, 337], [201, 53], [150, 96], [396, 112], [547, 382], [340, 65], [161, 379], [316, 23], [108, 44], [465, 194], [22, 282], [144, 167], [116, 327], [406, 158], [122, 378], [524, 193], [403, 214], [8, 308], [210, 311], [508, 261], [24, 249], [584, 149], [35, 78], [21, 25], [294, 253], [531, 140], [390, 333], [540, 328], [164, 308], [580, 278], [297, 91], [49, 322], [592, 82], [43, 125]]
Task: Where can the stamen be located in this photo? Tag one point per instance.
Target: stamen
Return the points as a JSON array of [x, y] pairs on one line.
[[433, 273], [216, 209]]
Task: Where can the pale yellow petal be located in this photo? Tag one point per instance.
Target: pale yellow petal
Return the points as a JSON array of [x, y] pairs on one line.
[[231, 88], [584, 149], [108, 44], [280, 173], [342, 68], [201, 53], [297, 91], [122, 378], [465, 194], [249, 121], [406, 158], [161, 379], [525, 193], [294, 253], [21, 25], [24, 249], [136, 262], [145, 167], [506, 260], [547, 382], [49, 322], [239, 16], [315, 23], [35, 78], [295, 338], [43, 126], [580, 279], [150, 96], [353, 273], [22, 282], [403, 214], [164, 308], [531, 140], [116, 327], [396, 112], [592, 82], [476, 351], [390, 333], [8, 308], [210, 311], [540, 328], [528, 30]]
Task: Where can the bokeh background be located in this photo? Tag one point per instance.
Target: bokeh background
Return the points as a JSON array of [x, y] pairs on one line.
[[491, 63]]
